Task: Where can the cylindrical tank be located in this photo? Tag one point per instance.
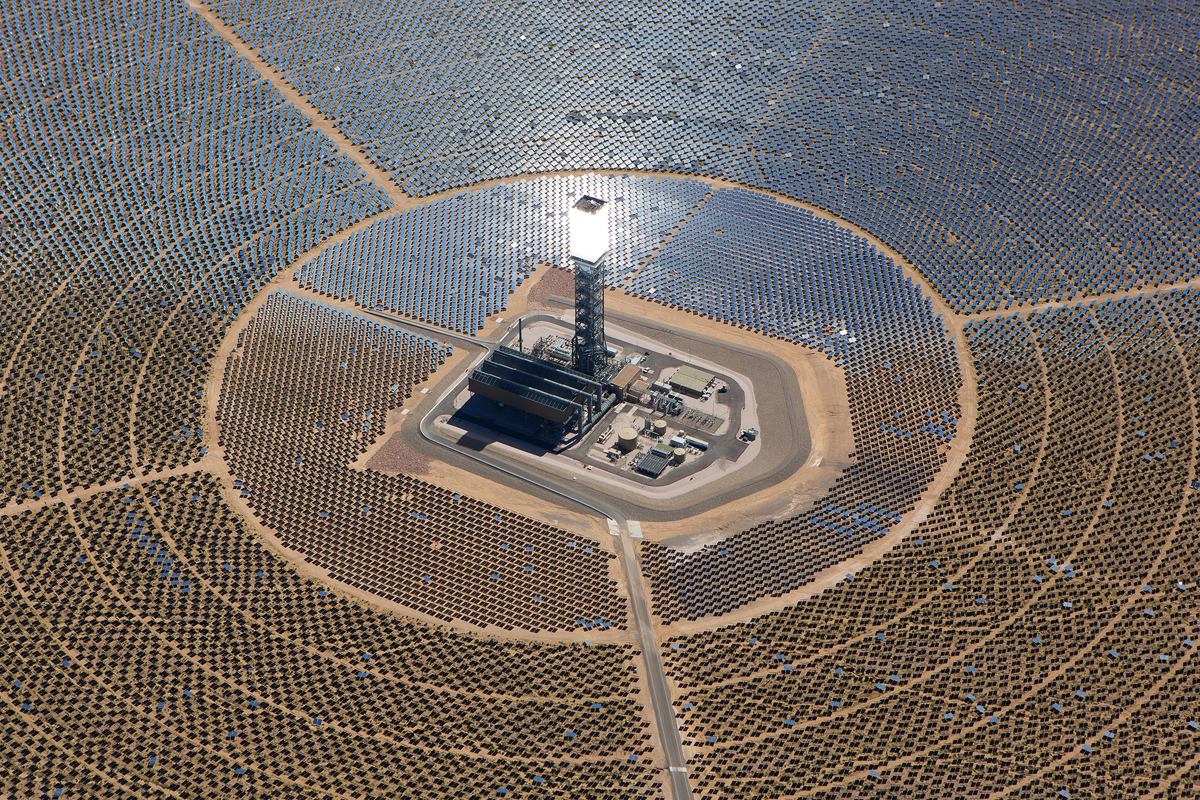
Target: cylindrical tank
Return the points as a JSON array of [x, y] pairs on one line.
[[677, 455], [659, 426], [627, 439]]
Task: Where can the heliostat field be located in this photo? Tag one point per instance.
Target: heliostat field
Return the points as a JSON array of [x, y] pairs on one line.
[[943, 255]]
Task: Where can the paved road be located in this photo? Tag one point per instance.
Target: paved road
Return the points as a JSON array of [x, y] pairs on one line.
[[660, 694], [656, 679]]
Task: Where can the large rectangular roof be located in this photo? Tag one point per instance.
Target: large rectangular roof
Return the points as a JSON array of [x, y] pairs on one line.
[[626, 376], [544, 389], [691, 380]]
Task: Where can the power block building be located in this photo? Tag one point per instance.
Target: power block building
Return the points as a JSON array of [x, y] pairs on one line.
[[555, 393]]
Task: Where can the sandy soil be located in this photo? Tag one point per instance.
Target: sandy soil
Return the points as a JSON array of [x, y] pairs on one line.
[[396, 456], [679, 494], [482, 488], [816, 381], [826, 407], [1022, 309], [784, 499], [390, 444], [554, 281]]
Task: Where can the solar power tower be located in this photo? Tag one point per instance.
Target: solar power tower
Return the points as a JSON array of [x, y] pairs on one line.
[[588, 225]]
